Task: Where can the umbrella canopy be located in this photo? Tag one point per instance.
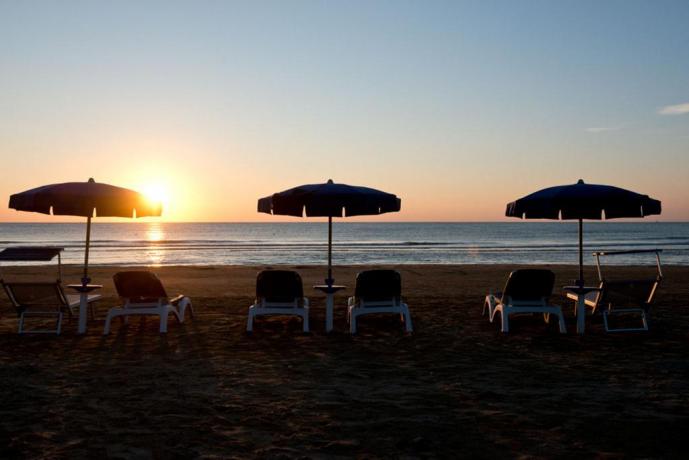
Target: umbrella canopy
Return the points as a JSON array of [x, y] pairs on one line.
[[329, 200], [583, 201], [85, 199]]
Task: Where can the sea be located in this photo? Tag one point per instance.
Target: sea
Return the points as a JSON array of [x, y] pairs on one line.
[[305, 243]]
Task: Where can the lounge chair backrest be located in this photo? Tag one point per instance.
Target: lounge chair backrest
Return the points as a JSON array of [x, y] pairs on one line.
[[279, 286], [378, 285], [530, 284], [25, 295], [628, 293], [139, 286]]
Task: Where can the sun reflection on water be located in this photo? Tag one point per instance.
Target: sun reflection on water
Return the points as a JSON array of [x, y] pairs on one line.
[[154, 235]]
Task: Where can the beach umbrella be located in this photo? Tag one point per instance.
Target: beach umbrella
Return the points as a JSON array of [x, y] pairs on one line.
[[329, 200], [85, 199], [583, 201]]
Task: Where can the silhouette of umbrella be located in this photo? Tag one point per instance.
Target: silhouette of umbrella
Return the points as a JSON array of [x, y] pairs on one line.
[[85, 199], [329, 200], [583, 201]]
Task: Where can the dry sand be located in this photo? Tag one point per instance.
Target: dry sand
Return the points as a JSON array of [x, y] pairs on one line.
[[457, 387]]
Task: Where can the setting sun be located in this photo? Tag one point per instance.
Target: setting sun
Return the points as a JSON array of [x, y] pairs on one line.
[[156, 193]]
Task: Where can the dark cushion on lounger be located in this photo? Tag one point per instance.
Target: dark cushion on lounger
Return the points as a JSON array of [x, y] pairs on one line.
[[529, 284], [279, 286], [378, 285], [139, 286]]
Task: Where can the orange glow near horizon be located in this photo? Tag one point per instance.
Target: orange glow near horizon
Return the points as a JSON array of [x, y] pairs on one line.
[[215, 189]]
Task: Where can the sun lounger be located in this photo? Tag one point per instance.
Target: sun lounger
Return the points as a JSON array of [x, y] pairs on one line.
[[526, 291], [377, 291], [142, 293], [43, 299], [624, 296], [279, 292]]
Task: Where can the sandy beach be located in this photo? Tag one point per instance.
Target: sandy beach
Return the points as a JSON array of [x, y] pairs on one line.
[[457, 387]]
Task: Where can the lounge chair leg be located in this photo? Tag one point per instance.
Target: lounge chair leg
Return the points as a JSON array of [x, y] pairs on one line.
[[106, 329], [305, 322], [492, 309], [190, 305], [182, 307], [59, 323], [407, 321], [352, 323], [21, 324], [486, 307], [505, 318], [250, 321], [605, 321], [561, 321], [163, 322]]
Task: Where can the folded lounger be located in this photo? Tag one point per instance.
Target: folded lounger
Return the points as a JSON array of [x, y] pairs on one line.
[[279, 292], [377, 291], [142, 293], [623, 296], [526, 291], [44, 299]]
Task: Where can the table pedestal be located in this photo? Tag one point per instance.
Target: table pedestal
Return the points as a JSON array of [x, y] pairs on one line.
[[83, 303], [329, 302], [580, 294]]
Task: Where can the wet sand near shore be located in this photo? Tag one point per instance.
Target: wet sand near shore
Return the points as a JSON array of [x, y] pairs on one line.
[[457, 387]]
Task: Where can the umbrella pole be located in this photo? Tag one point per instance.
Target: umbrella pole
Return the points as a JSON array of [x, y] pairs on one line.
[[581, 253], [85, 280], [330, 279]]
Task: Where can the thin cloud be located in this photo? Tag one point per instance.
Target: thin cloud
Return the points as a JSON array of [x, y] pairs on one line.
[[679, 109], [603, 129]]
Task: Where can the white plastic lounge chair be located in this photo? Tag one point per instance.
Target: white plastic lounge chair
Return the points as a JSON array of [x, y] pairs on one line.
[[526, 291], [279, 292], [377, 291], [46, 300], [626, 296], [143, 294]]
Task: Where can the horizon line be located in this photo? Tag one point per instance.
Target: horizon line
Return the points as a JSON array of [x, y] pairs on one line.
[[305, 221]]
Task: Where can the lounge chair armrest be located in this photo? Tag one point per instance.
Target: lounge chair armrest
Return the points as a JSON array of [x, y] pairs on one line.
[[175, 300]]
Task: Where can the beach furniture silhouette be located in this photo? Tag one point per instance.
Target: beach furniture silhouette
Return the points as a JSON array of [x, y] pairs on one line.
[[583, 201], [628, 297], [45, 299], [85, 199], [578, 202], [377, 291], [279, 292], [526, 291], [143, 294], [329, 200]]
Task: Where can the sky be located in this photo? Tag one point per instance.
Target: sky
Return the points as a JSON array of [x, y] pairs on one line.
[[456, 107]]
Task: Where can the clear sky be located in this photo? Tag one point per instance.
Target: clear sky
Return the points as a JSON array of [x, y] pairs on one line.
[[457, 107]]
